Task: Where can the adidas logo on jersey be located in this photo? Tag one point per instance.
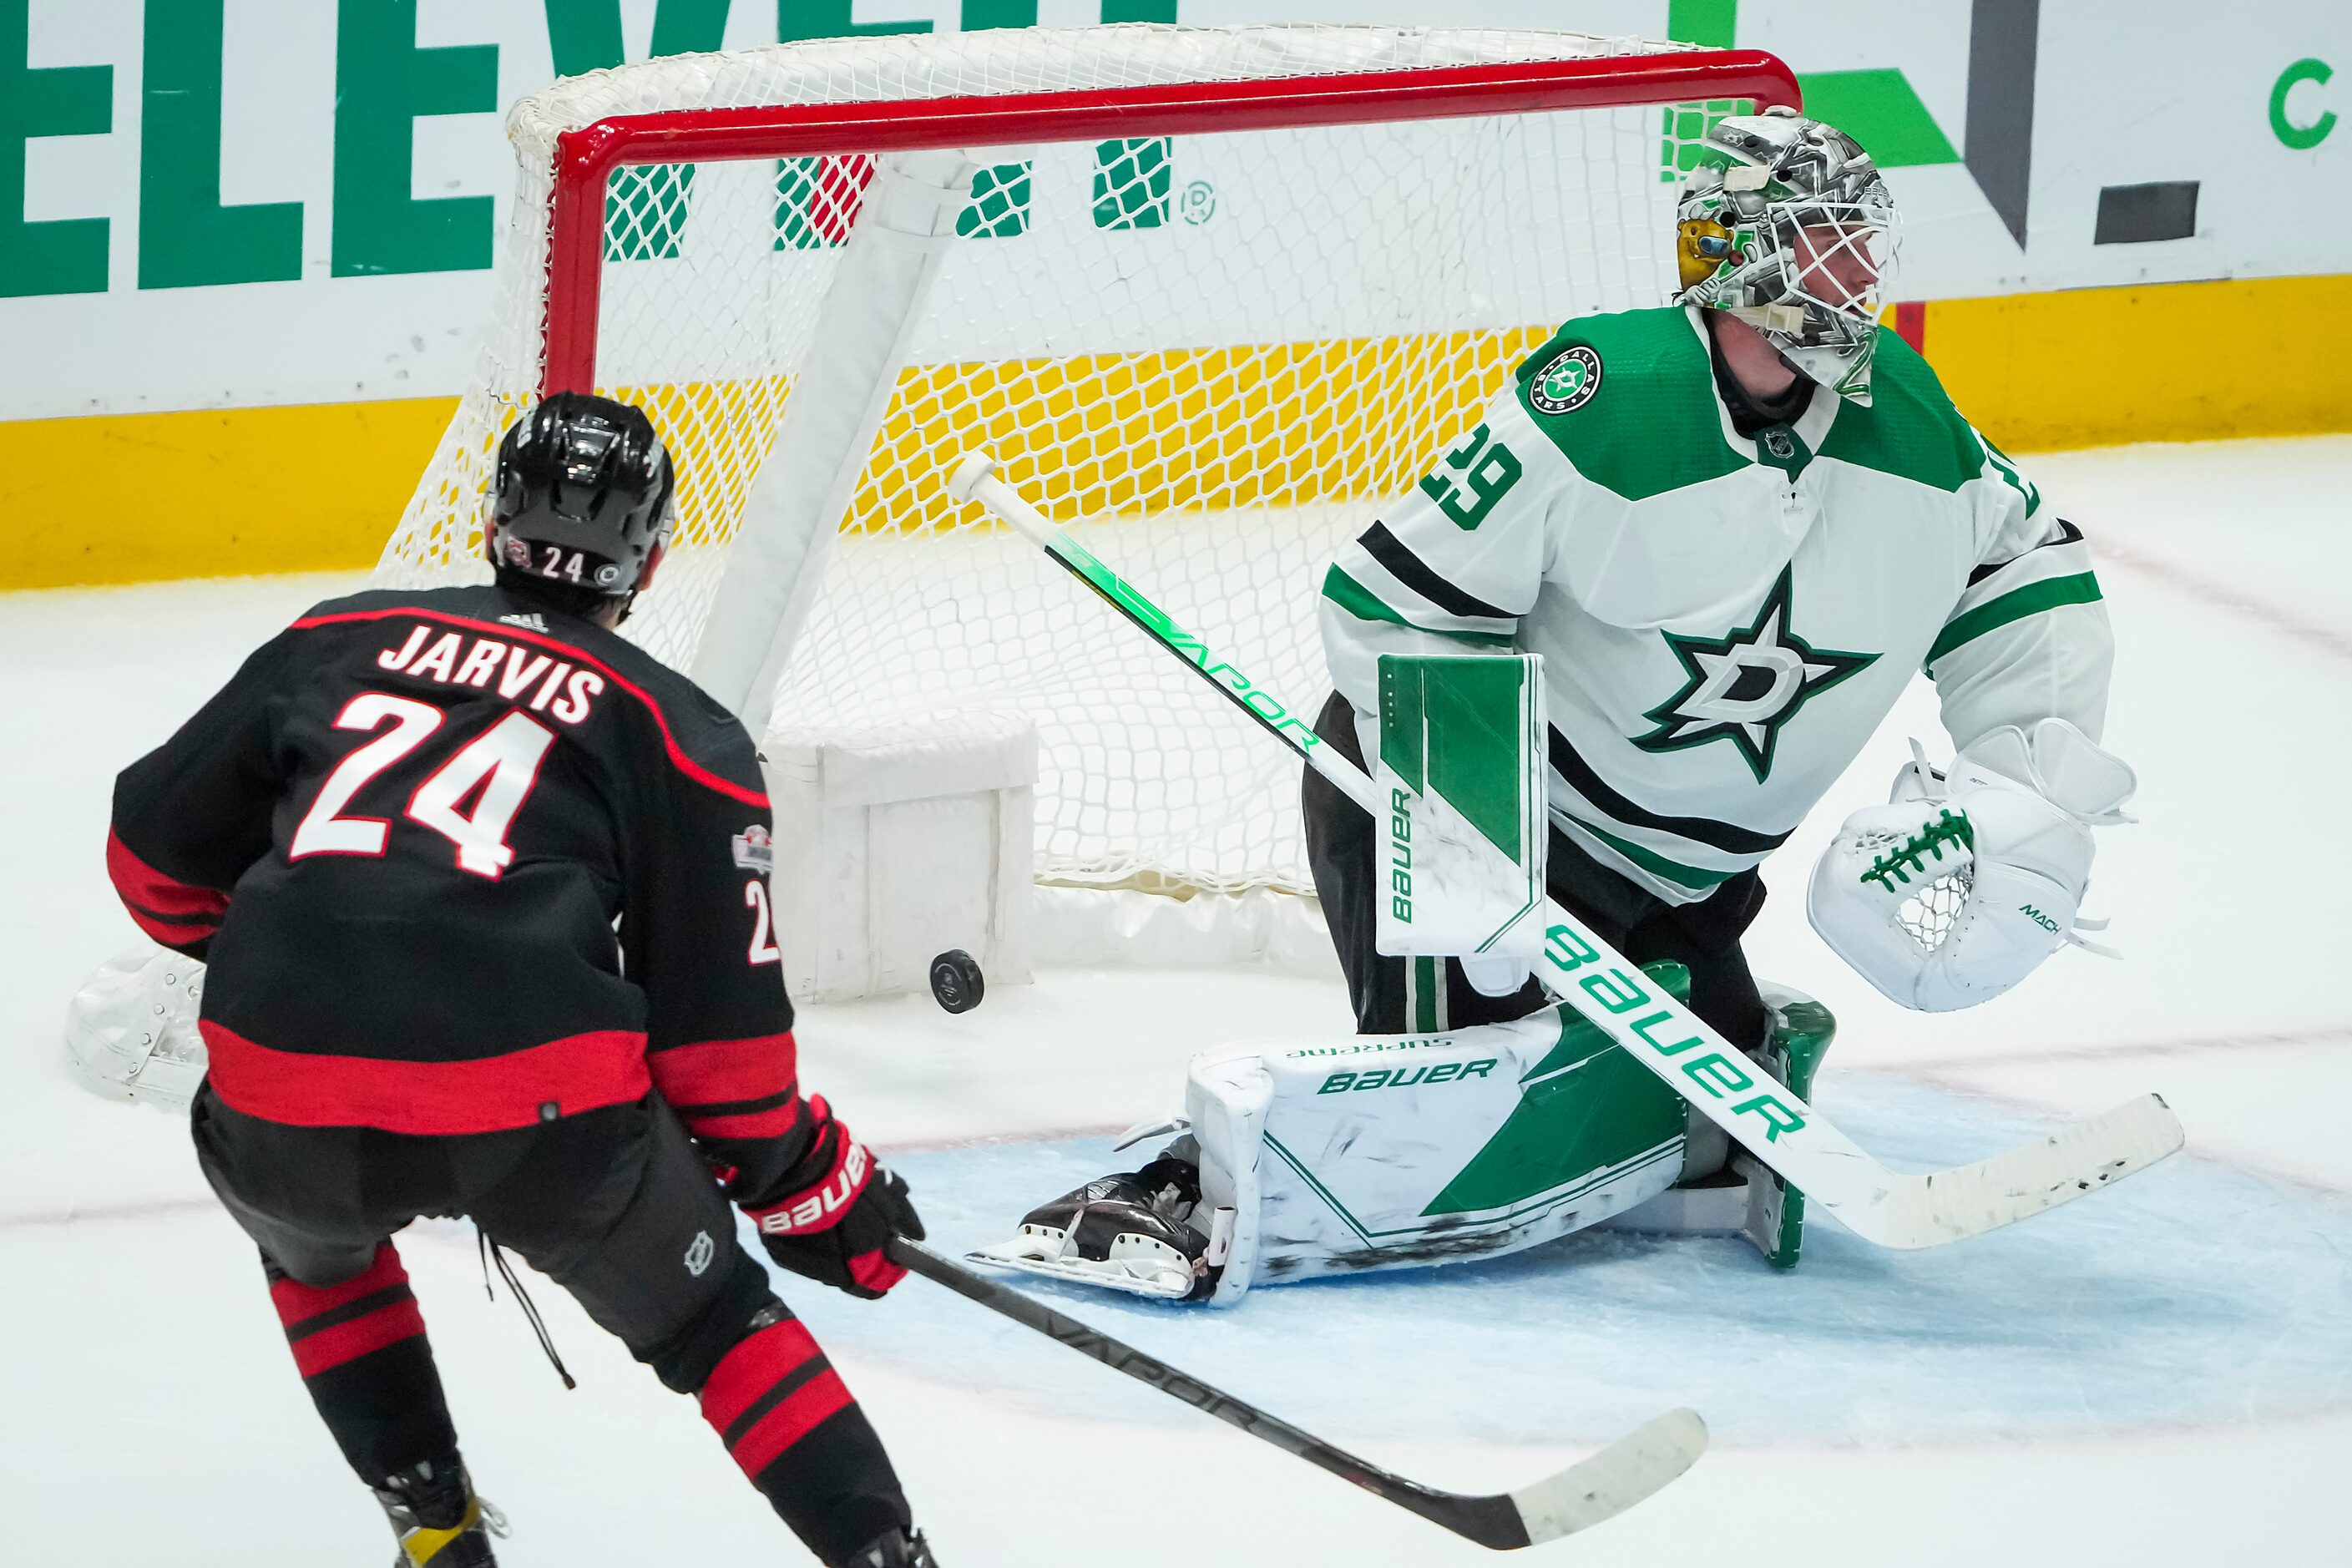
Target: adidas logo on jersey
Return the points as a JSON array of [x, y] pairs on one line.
[[533, 620]]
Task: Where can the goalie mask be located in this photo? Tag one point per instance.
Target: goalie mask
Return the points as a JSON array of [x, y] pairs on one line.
[[1788, 226], [583, 496]]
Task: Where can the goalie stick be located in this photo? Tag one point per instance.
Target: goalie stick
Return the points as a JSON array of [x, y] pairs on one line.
[[1804, 1147], [1577, 1497]]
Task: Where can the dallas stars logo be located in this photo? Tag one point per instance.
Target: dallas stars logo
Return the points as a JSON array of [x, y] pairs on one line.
[[1745, 687]]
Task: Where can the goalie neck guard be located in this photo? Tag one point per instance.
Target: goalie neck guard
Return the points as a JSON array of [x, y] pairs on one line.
[[1788, 226], [584, 497]]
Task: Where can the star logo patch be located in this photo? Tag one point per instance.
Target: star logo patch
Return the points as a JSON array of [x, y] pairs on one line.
[[1568, 382], [1745, 687]]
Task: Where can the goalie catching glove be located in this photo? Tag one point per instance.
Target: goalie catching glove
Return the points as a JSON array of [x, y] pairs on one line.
[[833, 1213], [1968, 879]]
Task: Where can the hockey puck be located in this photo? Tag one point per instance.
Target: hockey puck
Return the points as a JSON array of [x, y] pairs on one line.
[[956, 984]]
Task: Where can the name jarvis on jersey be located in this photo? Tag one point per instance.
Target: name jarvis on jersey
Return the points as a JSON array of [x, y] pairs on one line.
[[457, 659]]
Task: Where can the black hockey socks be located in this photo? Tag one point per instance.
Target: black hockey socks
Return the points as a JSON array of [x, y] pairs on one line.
[[790, 1423], [362, 1351]]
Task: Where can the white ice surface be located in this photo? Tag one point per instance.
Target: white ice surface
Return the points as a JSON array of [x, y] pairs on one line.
[[2158, 1376]]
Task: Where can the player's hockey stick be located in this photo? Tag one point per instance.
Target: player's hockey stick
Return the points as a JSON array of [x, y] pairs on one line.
[[1577, 1497], [1796, 1140]]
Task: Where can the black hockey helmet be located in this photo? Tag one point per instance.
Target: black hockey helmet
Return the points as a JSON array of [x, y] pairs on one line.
[[583, 496]]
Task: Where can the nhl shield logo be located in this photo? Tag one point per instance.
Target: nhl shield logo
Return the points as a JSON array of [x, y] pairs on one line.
[[1566, 382], [699, 1253]]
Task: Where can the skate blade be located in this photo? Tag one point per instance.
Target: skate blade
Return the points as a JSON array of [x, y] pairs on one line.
[[1040, 1250]]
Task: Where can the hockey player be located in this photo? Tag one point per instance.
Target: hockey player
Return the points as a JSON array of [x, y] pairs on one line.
[[1732, 527], [483, 893]]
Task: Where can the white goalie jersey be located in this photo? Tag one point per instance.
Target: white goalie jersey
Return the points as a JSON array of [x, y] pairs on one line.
[[1725, 620]]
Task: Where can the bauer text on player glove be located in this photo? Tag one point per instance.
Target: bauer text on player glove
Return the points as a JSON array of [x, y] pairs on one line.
[[833, 1213], [1960, 886]]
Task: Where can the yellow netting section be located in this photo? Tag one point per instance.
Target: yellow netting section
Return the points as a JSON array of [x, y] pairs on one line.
[[1193, 429], [1107, 436]]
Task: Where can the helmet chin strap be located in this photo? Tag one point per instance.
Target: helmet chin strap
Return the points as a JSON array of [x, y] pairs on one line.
[[1844, 371]]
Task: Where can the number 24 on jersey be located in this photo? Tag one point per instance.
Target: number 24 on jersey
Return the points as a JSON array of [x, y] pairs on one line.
[[496, 770]]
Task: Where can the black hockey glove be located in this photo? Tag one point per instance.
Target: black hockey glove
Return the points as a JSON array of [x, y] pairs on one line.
[[834, 1211]]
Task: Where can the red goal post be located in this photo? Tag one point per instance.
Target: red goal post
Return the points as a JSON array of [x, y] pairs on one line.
[[586, 158]]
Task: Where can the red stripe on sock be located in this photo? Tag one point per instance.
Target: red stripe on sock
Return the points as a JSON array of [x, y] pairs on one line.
[[750, 1368], [823, 1394], [331, 1348], [296, 1302]]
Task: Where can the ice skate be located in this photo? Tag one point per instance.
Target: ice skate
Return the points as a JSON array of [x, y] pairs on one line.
[[1128, 1231], [438, 1519], [900, 1549]]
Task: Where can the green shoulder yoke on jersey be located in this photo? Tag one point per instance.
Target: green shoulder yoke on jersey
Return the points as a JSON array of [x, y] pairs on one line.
[[1635, 411], [1910, 429]]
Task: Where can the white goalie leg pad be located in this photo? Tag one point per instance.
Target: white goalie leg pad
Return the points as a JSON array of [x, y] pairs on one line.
[[1966, 881], [1227, 1094], [1387, 1151], [131, 1030]]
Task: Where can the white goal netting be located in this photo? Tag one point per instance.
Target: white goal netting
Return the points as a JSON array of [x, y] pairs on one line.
[[1217, 353]]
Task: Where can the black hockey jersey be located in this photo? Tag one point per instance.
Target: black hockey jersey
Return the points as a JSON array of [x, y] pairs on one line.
[[459, 862]]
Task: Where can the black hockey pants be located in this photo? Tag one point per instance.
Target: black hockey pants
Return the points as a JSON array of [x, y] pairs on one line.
[[615, 1206], [1403, 995]]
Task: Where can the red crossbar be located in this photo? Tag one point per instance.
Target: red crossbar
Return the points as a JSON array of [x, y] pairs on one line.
[[585, 158]]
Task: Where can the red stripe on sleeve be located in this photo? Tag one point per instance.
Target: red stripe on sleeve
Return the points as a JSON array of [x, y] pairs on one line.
[[331, 1348], [793, 1418], [754, 1124], [720, 1072], [488, 1094], [298, 1303], [153, 895], [752, 1368], [170, 933]]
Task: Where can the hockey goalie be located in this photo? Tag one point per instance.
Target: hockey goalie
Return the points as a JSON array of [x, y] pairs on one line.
[[1616, 644]]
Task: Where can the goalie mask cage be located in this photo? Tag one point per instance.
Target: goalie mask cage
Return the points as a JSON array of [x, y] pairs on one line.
[[1213, 296]]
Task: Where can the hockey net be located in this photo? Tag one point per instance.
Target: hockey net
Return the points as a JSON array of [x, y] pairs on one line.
[[1210, 334]]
